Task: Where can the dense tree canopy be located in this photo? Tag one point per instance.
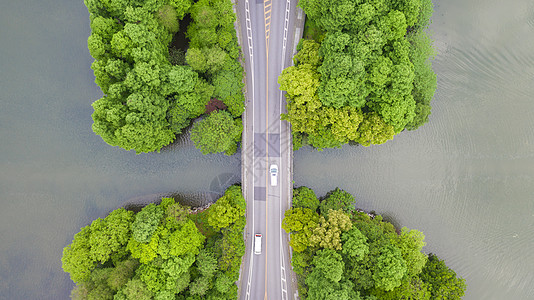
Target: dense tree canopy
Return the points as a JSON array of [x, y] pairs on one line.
[[218, 132], [346, 254], [149, 96], [162, 252], [366, 78]]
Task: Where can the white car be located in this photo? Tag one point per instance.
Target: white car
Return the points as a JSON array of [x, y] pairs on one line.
[[274, 175], [257, 243]]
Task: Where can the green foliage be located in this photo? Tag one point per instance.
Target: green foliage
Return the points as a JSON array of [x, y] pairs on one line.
[[351, 255], [365, 77], [305, 197], [97, 243], [329, 263], [135, 289], [206, 263], [355, 244], [228, 209], [336, 200], [374, 131], [168, 17], [149, 95], [122, 273], [107, 261], [411, 243], [186, 240], [218, 132], [391, 268], [228, 88], [300, 222], [443, 282], [146, 222], [328, 233]]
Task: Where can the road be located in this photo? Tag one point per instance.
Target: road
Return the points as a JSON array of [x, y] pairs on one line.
[[266, 37]]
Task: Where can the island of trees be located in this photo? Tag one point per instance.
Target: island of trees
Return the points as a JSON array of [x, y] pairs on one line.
[[342, 253], [154, 86], [362, 73], [162, 252]]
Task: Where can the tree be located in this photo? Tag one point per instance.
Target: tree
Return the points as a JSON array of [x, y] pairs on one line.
[[200, 286], [186, 240], [206, 263], [228, 209], [355, 244], [135, 289], [300, 222], [390, 269], [443, 281], [218, 132], [373, 131], [146, 222], [168, 17], [122, 273], [229, 87], [330, 263], [411, 243], [146, 98], [328, 233], [305, 197], [97, 243], [308, 53], [319, 288], [108, 262], [335, 200]]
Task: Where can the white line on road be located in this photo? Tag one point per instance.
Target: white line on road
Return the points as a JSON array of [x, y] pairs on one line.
[[283, 282], [250, 52]]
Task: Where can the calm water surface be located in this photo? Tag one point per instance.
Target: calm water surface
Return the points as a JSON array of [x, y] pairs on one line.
[[465, 179]]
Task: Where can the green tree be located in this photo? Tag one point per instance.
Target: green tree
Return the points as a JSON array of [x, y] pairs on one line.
[[335, 200], [135, 289], [443, 281], [300, 222], [373, 131], [355, 244], [122, 273], [223, 283], [206, 263], [146, 222], [328, 233], [305, 197], [199, 286], [390, 268], [330, 263], [168, 18], [308, 53], [229, 85], [97, 243], [411, 243], [186, 240], [228, 209], [218, 132]]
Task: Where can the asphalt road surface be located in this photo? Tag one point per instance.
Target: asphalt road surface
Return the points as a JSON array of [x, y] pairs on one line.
[[266, 39]]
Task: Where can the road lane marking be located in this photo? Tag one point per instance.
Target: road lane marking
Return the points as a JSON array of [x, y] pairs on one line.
[[283, 281], [251, 55], [267, 9]]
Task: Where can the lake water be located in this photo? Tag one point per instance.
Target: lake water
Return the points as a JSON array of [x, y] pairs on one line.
[[466, 179]]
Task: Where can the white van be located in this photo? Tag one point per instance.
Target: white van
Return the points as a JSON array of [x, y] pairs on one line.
[[257, 243], [274, 174]]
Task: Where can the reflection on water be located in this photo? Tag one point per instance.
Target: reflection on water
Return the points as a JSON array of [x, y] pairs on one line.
[[465, 179]]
